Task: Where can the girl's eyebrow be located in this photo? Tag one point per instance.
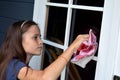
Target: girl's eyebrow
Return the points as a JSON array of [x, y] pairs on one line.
[[37, 35]]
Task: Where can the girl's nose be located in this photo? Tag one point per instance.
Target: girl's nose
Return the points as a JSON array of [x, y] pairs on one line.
[[40, 41]]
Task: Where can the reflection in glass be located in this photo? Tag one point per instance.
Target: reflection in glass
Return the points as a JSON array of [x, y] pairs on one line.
[[75, 72], [97, 3], [50, 54], [56, 24], [59, 1]]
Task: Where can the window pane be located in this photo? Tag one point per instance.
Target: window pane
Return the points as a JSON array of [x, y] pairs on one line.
[[75, 72], [50, 54], [56, 24], [59, 1], [83, 21], [97, 3]]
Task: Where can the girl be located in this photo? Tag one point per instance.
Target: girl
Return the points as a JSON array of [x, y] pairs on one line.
[[21, 42]]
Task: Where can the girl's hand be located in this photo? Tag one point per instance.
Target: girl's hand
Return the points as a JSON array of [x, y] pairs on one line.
[[77, 42]]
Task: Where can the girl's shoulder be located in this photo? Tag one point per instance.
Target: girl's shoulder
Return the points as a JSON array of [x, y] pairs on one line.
[[13, 69]]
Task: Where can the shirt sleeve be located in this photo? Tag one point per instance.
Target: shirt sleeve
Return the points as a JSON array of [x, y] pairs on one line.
[[13, 69]]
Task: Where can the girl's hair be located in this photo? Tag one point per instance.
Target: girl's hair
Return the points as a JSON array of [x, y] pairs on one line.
[[12, 45]]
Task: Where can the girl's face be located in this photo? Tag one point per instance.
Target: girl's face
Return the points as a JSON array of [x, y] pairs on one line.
[[31, 40]]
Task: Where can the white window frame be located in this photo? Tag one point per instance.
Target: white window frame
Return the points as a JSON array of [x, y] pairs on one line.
[[109, 45], [109, 42]]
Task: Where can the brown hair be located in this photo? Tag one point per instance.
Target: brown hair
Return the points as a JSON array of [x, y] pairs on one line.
[[12, 45]]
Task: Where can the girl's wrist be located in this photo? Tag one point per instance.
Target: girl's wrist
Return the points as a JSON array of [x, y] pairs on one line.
[[64, 58]]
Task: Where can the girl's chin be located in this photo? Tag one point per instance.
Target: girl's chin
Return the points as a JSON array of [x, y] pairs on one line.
[[37, 53]]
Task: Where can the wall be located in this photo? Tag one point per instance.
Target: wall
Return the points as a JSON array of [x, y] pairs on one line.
[[12, 10]]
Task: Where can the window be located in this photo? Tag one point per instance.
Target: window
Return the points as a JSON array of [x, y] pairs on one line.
[[63, 20]]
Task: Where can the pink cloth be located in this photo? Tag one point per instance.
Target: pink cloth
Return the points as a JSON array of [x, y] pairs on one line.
[[87, 48]]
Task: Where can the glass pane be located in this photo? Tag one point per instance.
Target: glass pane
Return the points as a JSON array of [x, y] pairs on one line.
[[56, 24], [59, 1], [82, 22], [75, 72], [97, 3], [50, 54]]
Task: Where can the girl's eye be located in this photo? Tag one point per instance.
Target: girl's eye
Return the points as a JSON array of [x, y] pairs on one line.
[[35, 37]]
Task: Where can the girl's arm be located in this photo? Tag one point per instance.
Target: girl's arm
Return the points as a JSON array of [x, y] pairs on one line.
[[53, 71]]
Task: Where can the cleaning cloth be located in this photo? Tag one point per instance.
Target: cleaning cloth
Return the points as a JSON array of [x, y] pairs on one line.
[[86, 51]]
